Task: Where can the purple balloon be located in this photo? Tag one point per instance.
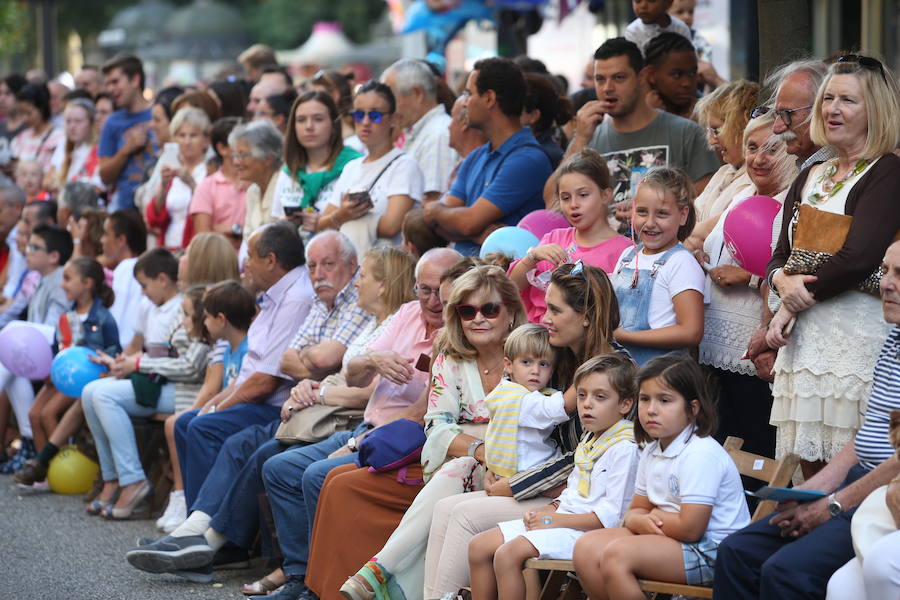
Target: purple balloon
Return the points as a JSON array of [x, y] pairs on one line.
[[541, 222], [24, 351]]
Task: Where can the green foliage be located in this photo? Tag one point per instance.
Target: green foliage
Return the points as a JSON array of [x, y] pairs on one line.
[[288, 23], [15, 26]]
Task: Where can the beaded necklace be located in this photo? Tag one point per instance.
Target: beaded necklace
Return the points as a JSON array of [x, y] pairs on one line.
[[831, 188]]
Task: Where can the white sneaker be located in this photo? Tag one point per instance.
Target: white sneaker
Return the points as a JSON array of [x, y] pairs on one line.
[[176, 502], [176, 511]]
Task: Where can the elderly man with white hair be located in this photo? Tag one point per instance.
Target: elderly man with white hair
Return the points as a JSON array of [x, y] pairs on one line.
[[424, 122]]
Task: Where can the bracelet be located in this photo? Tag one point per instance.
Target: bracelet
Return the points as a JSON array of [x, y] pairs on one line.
[[474, 446], [322, 388]]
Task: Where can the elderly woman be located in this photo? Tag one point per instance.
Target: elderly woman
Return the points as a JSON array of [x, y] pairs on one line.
[[167, 213], [830, 333], [732, 316], [724, 113], [468, 365], [374, 193], [256, 152]]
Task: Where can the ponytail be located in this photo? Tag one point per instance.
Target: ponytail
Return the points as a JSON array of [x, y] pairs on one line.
[[89, 268]]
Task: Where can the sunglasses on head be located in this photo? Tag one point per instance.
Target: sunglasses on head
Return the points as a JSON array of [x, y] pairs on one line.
[[467, 312], [866, 62], [374, 115]]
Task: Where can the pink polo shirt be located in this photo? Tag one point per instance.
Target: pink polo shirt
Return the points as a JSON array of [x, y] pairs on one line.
[[603, 256], [405, 335], [217, 196]]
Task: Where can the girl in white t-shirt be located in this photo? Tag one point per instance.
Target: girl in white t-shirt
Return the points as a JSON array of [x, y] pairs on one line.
[[687, 495], [597, 492], [658, 283], [373, 193]]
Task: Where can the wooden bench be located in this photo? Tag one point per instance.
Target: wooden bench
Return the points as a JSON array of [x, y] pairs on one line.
[[768, 470], [150, 437]]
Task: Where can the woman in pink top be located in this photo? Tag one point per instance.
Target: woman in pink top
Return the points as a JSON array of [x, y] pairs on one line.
[[218, 204], [584, 189]]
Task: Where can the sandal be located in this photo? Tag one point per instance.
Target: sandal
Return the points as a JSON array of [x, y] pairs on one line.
[[120, 513], [97, 506], [356, 588], [261, 587]]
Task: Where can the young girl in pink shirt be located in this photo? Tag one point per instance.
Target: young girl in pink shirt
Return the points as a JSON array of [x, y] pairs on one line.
[[584, 189]]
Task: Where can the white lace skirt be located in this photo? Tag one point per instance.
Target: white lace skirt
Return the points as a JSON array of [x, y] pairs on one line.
[[824, 375]]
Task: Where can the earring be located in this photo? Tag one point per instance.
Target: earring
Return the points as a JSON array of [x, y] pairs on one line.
[[510, 325]]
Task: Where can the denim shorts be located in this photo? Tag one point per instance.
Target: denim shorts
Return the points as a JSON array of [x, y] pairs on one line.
[[699, 561]]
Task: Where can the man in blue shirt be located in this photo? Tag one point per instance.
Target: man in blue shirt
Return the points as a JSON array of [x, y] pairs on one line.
[[125, 149], [500, 182]]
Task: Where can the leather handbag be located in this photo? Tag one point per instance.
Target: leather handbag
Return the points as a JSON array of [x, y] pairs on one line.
[[819, 235], [316, 423]]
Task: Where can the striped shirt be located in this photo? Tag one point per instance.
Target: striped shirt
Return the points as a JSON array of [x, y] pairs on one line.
[[342, 323], [872, 444]]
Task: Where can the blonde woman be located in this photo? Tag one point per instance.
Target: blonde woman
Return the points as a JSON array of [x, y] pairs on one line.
[[76, 159], [167, 213]]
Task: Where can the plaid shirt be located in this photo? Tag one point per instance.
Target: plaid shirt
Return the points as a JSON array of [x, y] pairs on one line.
[[341, 323], [428, 141]]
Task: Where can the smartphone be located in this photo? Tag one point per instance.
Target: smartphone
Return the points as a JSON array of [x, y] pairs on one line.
[[424, 363], [170, 156], [290, 210], [360, 198]]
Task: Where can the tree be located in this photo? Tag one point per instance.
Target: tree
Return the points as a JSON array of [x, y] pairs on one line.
[[287, 23]]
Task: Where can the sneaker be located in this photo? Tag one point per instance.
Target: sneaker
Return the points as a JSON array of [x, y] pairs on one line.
[[176, 509], [38, 487], [199, 575], [173, 554], [30, 473], [293, 589]]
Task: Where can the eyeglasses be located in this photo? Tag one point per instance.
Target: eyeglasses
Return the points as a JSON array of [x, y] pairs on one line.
[[423, 291], [760, 111], [866, 62], [714, 131], [467, 312], [374, 115], [35, 248], [241, 155], [785, 113]]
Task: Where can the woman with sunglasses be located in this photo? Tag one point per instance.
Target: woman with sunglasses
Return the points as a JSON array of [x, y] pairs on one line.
[[314, 158], [482, 308], [829, 334], [374, 193]]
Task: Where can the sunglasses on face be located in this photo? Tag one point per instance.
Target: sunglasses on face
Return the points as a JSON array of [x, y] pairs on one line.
[[489, 310], [374, 115]]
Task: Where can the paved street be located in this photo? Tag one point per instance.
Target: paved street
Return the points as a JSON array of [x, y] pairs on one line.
[[53, 550]]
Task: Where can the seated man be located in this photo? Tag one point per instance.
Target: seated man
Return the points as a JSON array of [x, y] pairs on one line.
[[502, 181], [275, 267], [226, 507], [792, 554], [294, 478]]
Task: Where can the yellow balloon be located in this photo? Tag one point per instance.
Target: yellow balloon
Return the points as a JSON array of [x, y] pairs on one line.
[[71, 472]]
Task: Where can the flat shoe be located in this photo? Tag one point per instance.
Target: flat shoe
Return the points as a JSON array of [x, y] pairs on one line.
[[119, 513], [260, 587], [354, 589]]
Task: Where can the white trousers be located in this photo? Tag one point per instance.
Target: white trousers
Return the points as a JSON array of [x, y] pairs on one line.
[[21, 397], [878, 578]]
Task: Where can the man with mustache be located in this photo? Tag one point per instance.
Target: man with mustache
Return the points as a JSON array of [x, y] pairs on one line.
[[796, 84], [793, 553]]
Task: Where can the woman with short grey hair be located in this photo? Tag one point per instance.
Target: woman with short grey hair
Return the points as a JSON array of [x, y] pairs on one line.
[[256, 152]]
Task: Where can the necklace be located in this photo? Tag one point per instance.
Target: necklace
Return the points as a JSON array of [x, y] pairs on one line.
[[488, 371], [830, 187]]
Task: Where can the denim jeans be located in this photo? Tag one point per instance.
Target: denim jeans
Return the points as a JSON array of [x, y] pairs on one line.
[[293, 480], [108, 405]]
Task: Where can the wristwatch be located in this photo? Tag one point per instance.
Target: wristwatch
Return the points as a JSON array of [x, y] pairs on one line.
[[754, 282], [474, 446], [351, 443], [834, 507], [236, 230]]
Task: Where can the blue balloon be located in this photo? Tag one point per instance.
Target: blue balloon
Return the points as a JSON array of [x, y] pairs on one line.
[[71, 370], [514, 242]]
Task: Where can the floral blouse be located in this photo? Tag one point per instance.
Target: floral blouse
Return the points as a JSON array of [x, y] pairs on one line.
[[456, 396]]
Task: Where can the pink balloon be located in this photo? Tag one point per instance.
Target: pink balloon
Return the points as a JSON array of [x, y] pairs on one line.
[[24, 351], [748, 232], [540, 222]]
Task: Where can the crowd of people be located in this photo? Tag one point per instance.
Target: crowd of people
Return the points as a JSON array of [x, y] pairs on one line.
[[291, 276]]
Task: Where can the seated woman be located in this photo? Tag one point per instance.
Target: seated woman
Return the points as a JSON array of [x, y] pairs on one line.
[[735, 307], [337, 85], [76, 159], [483, 307], [40, 138], [219, 204], [256, 152], [167, 214], [373, 193], [314, 158], [142, 384]]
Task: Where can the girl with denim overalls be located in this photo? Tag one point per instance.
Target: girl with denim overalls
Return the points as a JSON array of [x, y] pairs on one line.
[[658, 283]]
